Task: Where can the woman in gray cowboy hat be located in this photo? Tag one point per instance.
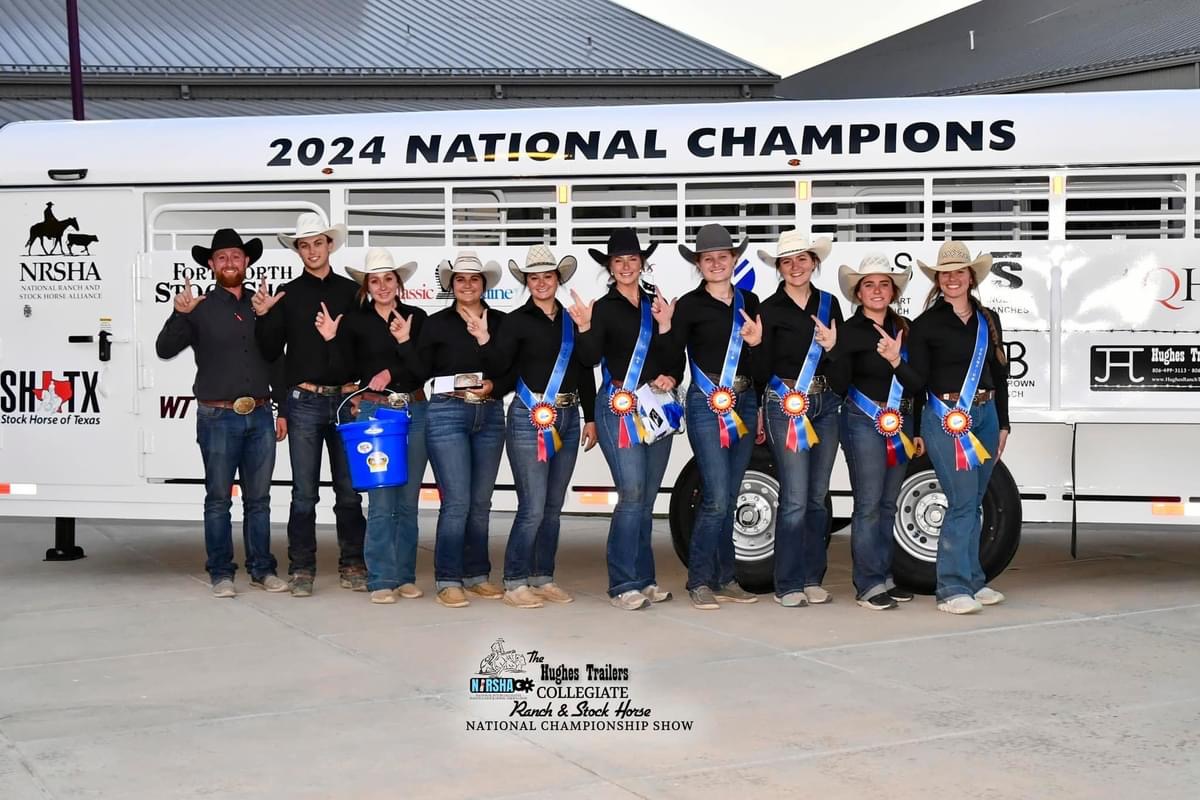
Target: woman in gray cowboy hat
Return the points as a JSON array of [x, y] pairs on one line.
[[877, 421], [464, 428], [720, 328], [619, 332], [957, 349], [542, 436], [802, 407], [364, 339]]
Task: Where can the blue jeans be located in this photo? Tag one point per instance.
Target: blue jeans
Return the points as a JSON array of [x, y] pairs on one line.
[[390, 547], [465, 442], [312, 425], [637, 472], [541, 490], [231, 443], [875, 486], [800, 558], [958, 569], [712, 561]]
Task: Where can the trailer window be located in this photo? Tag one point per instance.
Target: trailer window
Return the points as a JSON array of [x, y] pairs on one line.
[[510, 215], [863, 210], [179, 220], [1126, 206], [405, 216], [596, 209], [992, 207], [758, 210]]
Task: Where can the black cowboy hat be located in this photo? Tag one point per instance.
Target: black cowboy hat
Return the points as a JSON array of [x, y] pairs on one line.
[[228, 237], [622, 242]]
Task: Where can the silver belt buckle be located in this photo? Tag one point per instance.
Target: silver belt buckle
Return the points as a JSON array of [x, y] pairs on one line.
[[566, 399], [397, 399], [244, 405]]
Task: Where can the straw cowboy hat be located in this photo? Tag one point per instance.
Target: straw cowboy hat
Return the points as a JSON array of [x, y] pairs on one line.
[[378, 260], [468, 263], [541, 259], [311, 223], [713, 237], [226, 238], [872, 264], [622, 242], [792, 243], [954, 255]]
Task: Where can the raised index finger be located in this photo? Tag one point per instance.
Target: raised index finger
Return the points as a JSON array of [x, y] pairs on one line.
[[187, 285], [324, 309], [575, 296], [745, 316]]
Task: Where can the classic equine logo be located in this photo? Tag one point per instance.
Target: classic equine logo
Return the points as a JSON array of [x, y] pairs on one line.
[[30, 397], [63, 269]]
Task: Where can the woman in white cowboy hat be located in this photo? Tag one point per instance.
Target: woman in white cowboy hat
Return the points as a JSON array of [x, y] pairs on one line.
[[719, 326], [364, 340], [464, 428], [801, 411], [618, 331], [537, 344], [877, 421], [956, 348]]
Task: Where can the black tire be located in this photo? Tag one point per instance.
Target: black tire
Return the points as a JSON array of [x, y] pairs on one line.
[[918, 519], [754, 532]]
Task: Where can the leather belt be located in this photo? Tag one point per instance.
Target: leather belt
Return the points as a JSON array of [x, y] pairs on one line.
[[981, 396], [393, 399], [328, 391], [561, 400], [906, 404], [242, 405], [819, 384], [469, 397], [740, 382]]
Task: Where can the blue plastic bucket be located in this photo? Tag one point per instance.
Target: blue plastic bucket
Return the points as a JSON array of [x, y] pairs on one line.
[[377, 449]]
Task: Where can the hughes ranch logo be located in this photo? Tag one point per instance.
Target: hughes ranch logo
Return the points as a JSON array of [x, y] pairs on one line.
[[49, 397], [56, 263]]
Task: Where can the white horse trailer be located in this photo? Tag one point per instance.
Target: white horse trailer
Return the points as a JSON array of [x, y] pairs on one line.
[[1087, 203]]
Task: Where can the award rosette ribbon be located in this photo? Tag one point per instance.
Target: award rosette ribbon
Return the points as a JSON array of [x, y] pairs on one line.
[[721, 398], [795, 401], [969, 452], [542, 413], [622, 401], [889, 422]]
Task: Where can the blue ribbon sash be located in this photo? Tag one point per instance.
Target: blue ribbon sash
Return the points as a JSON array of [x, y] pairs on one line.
[[889, 422], [622, 401], [795, 402], [722, 399], [543, 414], [969, 452]]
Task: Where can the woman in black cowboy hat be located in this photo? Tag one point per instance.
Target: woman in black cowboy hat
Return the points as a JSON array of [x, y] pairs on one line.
[[619, 332], [720, 328]]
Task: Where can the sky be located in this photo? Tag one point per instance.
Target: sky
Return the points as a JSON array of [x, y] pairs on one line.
[[818, 30]]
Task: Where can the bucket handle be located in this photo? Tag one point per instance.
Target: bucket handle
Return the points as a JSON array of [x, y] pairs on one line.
[[348, 397]]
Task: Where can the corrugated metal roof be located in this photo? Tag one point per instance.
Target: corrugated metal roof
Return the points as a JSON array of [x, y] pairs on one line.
[[382, 38], [109, 109], [1016, 43]]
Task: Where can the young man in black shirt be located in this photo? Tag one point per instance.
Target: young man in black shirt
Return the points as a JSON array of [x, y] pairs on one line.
[[233, 415], [316, 387]]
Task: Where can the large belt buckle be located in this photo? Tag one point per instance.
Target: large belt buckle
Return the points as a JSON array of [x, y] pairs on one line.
[[473, 398], [566, 400], [244, 405], [397, 399], [741, 383]]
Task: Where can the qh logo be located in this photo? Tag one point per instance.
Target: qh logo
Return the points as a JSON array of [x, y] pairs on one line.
[[49, 397], [491, 682], [1175, 286], [56, 263]]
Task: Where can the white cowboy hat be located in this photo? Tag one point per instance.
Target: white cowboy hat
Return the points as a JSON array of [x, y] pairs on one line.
[[468, 262], [311, 223], [379, 259], [713, 237], [872, 264], [541, 259], [792, 243], [954, 255]]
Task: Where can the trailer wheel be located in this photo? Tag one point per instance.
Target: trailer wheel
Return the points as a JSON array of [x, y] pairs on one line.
[[920, 510], [753, 520]]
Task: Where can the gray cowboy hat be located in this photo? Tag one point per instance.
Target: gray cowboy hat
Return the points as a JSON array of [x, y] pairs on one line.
[[713, 237]]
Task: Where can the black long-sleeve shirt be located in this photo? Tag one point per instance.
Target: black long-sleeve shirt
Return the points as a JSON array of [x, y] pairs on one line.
[[702, 324], [788, 332], [613, 335], [940, 349], [528, 346], [446, 348], [868, 371], [366, 342], [220, 331], [291, 322]]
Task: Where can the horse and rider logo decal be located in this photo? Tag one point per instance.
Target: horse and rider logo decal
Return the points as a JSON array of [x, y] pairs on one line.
[[50, 231]]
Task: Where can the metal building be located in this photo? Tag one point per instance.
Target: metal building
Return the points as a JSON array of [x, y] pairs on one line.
[[170, 58], [1000, 46]]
